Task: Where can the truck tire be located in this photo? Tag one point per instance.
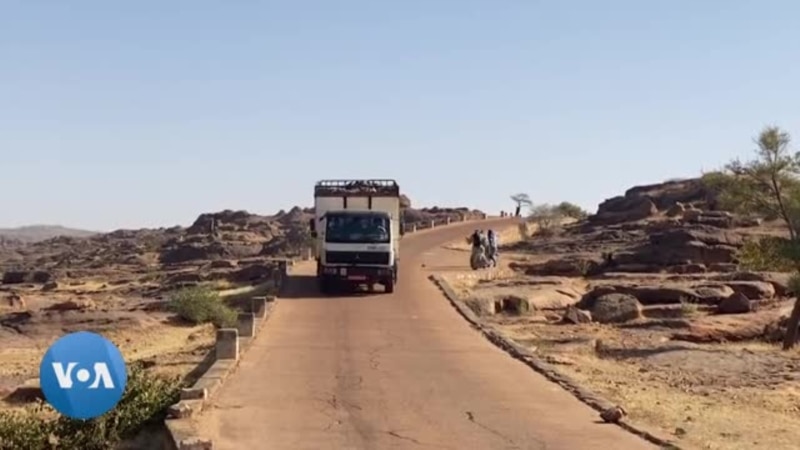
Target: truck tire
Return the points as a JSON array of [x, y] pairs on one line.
[[388, 286]]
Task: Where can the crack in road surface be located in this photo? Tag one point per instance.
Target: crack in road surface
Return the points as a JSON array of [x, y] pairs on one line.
[[396, 434], [334, 403], [471, 417]]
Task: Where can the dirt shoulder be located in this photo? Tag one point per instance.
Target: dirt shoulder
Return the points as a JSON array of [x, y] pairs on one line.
[[712, 395], [649, 309]]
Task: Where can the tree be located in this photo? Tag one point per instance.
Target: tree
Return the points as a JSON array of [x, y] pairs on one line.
[[522, 199], [571, 210], [767, 186]]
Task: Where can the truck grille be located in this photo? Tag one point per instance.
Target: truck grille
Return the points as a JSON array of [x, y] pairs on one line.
[[381, 258]]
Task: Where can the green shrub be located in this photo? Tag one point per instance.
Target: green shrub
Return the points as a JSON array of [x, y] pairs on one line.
[[199, 304], [38, 427], [766, 254], [571, 210]]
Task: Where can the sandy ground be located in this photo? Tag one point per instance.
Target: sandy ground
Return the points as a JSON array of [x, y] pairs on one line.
[[135, 325], [710, 396]]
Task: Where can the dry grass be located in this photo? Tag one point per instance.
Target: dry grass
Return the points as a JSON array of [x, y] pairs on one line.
[[711, 396], [735, 419]]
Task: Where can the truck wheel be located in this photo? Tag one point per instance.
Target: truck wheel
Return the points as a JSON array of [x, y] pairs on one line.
[[388, 286]]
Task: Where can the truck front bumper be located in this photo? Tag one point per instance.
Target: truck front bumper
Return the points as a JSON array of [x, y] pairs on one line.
[[357, 274]]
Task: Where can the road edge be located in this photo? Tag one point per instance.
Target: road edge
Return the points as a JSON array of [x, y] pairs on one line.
[[533, 361], [180, 421]]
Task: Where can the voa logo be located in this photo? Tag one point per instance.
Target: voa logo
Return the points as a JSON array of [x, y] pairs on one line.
[[83, 375], [101, 373]]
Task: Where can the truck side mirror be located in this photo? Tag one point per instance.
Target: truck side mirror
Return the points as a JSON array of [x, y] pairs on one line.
[[312, 225]]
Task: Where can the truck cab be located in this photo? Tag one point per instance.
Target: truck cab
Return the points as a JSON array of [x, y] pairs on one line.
[[357, 228]]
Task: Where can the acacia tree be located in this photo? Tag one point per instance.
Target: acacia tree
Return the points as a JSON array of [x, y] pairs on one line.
[[521, 199], [768, 186]]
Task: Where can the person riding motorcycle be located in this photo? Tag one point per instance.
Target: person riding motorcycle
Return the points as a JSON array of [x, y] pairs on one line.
[[478, 257], [491, 248]]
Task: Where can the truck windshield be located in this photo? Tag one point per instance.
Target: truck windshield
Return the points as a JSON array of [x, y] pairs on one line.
[[357, 229]]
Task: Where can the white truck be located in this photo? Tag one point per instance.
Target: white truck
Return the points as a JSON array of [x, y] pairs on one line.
[[357, 229]]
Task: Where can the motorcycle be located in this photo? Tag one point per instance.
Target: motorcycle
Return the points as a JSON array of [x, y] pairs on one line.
[[478, 260]]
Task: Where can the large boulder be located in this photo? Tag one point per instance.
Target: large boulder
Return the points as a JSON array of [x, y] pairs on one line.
[[737, 303], [706, 293], [616, 308], [641, 202], [624, 209], [27, 276], [778, 280], [754, 290], [686, 246]]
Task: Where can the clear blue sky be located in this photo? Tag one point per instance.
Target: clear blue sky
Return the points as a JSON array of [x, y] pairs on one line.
[[148, 113]]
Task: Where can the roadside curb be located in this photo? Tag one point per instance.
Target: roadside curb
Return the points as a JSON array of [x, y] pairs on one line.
[[229, 349], [533, 361]]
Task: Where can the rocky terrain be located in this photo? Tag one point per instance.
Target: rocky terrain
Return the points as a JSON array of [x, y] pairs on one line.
[[645, 303], [35, 233], [118, 283]]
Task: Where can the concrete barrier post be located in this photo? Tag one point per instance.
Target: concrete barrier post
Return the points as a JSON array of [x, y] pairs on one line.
[[433, 223], [448, 220], [413, 228], [227, 346], [463, 217], [246, 324], [259, 306]]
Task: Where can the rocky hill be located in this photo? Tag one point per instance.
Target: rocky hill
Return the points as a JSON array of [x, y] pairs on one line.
[[228, 246], [660, 246], [36, 233]]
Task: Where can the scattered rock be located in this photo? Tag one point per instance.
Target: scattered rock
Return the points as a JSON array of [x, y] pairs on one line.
[[712, 294], [516, 305], [616, 308], [28, 392], [222, 264], [15, 300], [73, 305], [676, 210], [723, 267], [185, 277], [613, 414], [50, 286], [567, 267], [576, 316], [737, 303]]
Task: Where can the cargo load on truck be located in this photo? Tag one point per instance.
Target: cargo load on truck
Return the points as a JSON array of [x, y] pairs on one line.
[[357, 228]]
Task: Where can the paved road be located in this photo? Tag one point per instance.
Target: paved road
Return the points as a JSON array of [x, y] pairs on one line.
[[400, 371]]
